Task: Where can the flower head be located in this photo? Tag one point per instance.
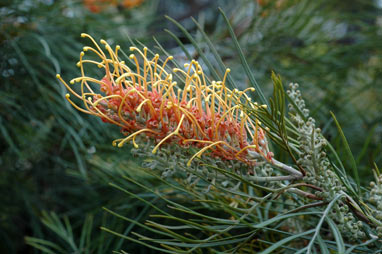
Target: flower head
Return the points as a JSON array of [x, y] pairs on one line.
[[145, 100], [97, 6]]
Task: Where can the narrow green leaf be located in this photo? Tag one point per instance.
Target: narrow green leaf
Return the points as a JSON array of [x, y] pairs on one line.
[[202, 245], [281, 217], [131, 226], [137, 241], [366, 145], [214, 52], [8, 138], [198, 49], [41, 247], [325, 214], [284, 241], [135, 222], [42, 243], [86, 232], [337, 236], [323, 247], [350, 250], [247, 70], [185, 51], [353, 163]]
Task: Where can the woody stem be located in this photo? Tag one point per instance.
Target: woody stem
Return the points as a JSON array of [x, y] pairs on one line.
[[293, 172]]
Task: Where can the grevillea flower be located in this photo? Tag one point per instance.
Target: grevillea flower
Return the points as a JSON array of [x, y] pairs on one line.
[[97, 6], [145, 100]]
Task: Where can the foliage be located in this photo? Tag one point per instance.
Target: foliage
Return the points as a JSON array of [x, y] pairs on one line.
[[59, 163]]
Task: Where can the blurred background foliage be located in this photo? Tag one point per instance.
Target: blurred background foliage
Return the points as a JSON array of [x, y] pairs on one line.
[[56, 163]]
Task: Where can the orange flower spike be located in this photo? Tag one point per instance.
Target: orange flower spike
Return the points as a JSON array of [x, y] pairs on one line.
[[133, 57], [224, 89], [149, 63], [148, 102], [80, 65], [131, 3], [155, 61], [96, 6], [162, 68], [114, 59], [212, 107], [98, 51], [145, 64], [187, 86]]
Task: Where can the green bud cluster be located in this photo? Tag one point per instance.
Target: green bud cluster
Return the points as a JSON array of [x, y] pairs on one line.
[[313, 158], [265, 170], [171, 161], [375, 198]]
